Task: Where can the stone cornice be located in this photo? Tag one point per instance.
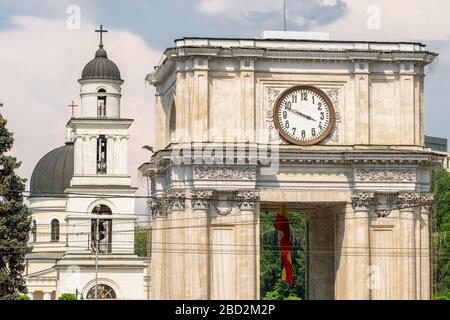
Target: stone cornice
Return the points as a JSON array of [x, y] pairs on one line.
[[344, 55]]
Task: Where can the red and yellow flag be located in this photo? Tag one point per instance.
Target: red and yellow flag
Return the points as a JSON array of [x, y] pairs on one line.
[[282, 225]]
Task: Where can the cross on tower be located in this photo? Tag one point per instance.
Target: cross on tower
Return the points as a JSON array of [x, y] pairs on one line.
[[73, 106], [101, 34]]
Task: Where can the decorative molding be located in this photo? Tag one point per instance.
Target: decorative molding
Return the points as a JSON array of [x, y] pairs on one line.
[[224, 173], [271, 96], [201, 199], [176, 199], [407, 200], [364, 200], [386, 175], [228, 209], [248, 199], [334, 95]]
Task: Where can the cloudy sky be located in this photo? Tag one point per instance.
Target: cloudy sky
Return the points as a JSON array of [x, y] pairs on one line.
[[43, 50]]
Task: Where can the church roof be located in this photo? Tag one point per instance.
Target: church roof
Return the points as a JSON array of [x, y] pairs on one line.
[[53, 172], [101, 67]]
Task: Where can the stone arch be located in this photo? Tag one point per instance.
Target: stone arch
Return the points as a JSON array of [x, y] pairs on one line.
[[102, 281]]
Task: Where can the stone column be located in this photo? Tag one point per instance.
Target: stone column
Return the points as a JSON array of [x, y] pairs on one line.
[[177, 244], [157, 249], [425, 272], [198, 248], [363, 204], [248, 236], [407, 244], [31, 295], [47, 296]]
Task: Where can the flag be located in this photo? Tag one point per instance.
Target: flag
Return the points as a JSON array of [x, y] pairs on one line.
[[282, 225]]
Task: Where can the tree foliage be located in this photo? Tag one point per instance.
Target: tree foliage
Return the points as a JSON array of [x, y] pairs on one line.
[[140, 241], [68, 296], [272, 286], [441, 231], [15, 221]]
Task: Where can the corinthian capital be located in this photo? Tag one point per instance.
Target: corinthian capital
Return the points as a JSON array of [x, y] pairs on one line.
[[414, 199], [176, 199], [201, 199], [248, 199], [156, 207], [364, 200]]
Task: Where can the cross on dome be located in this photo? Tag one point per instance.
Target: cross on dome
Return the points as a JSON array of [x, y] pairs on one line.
[[101, 31]]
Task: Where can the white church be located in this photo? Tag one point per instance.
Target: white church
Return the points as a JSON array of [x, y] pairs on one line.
[[82, 201]]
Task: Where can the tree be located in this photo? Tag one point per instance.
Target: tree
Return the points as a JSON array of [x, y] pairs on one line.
[[140, 241], [440, 186], [272, 286], [15, 221], [68, 296]]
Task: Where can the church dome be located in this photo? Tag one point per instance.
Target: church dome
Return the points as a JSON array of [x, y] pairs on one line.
[[101, 67], [53, 172]]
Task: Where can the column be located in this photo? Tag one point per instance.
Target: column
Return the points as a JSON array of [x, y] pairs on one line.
[[157, 249], [47, 296], [362, 203], [249, 253], [407, 244], [31, 295], [198, 246], [176, 246], [425, 272]]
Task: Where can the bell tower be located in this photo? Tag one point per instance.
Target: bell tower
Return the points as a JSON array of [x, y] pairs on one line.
[[100, 137]]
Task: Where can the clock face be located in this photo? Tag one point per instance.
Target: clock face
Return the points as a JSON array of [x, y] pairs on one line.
[[304, 115]]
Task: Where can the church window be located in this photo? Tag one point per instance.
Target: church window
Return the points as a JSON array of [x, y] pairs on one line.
[[101, 155], [104, 292], [55, 230], [104, 231], [101, 103]]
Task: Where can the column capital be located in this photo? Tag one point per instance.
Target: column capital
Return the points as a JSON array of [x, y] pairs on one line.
[[156, 207], [248, 199], [176, 199], [412, 200], [364, 200], [201, 199]]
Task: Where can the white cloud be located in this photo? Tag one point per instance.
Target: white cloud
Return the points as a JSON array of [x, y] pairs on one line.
[[234, 7], [40, 63], [399, 20]]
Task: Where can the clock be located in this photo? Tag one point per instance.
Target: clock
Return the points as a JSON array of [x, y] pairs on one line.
[[304, 115]]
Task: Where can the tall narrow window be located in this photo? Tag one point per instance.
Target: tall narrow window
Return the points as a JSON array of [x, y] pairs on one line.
[[101, 237], [55, 230], [101, 155], [101, 103]]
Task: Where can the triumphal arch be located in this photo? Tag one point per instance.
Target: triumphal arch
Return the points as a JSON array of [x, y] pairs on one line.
[[334, 129]]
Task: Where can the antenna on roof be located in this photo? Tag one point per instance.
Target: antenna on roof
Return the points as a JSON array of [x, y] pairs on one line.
[[284, 15]]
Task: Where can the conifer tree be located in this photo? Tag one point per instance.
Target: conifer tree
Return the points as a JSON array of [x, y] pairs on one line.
[[15, 221]]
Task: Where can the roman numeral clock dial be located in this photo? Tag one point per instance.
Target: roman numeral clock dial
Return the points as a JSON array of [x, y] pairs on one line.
[[304, 115]]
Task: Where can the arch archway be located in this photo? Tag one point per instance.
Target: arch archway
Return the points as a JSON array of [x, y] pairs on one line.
[[101, 234]]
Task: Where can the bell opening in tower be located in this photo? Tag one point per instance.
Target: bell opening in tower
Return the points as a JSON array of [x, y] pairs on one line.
[[101, 103], [101, 155]]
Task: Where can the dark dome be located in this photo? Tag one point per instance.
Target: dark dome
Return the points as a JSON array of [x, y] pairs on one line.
[[101, 67], [53, 172]]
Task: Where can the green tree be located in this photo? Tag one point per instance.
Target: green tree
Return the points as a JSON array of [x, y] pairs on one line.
[[140, 241], [68, 296], [272, 286], [15, 221], [440, 186]]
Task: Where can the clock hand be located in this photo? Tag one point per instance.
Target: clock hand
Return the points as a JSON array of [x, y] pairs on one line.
[[301, 114]]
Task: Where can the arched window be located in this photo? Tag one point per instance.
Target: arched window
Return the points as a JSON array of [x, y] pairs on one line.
[[104, 230], [34, 231], [104, 292], [55, 230], [101, 103]]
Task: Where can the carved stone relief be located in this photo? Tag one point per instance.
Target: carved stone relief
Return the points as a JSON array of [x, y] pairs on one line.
[[224, 173], [386, 175]]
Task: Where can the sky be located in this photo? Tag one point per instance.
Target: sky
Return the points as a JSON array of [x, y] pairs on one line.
[[44, 44]]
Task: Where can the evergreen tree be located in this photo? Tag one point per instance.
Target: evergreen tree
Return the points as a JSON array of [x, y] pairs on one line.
[[441, 233], [15, 221]]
